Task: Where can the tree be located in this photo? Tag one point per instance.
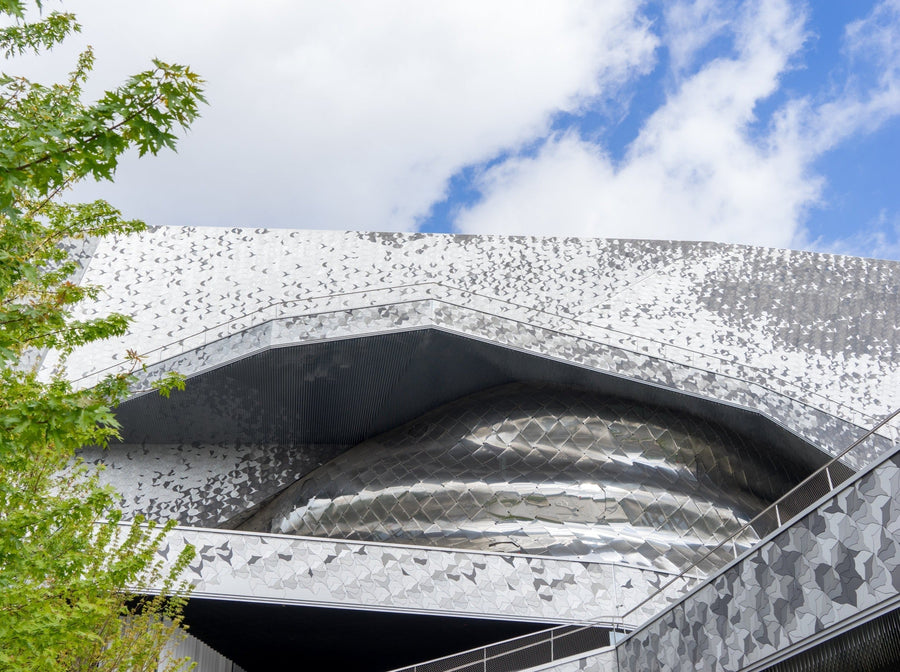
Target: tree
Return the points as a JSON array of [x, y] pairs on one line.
[[67, 564]]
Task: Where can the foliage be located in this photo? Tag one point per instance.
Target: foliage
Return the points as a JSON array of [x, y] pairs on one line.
[[68, 566]]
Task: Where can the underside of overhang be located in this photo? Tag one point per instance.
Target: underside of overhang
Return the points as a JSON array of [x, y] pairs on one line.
[[275, 637], [342, 392], [597, 465]]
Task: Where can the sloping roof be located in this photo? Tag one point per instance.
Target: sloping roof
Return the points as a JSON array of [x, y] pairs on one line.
[[810, 340]]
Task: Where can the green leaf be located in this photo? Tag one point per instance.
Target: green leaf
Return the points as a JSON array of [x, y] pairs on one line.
[[66, 565]]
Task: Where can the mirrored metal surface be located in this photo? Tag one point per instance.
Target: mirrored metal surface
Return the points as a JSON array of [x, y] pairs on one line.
[[544, 470]]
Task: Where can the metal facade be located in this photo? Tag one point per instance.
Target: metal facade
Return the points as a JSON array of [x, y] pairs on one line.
[[621, 405], [543, 470]]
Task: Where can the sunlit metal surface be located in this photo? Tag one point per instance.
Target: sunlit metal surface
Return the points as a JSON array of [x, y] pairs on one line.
[[542, 470]]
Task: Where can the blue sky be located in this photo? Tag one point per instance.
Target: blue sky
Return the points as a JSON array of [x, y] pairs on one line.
[[858, 209], [862, 196], [862, 174], [767, 122]]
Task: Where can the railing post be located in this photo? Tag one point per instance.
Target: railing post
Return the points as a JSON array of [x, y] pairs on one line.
[[484, 652], [552, 657], [778, 515], [828, 474], [615, 592]]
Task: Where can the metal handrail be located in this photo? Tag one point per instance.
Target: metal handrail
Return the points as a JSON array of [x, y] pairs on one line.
[[661, 344], [550, 633], [783, 501], [485, 658], [269, 306]]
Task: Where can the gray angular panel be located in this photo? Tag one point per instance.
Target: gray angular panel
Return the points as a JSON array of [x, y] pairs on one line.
[[839, 564], [281, 569]]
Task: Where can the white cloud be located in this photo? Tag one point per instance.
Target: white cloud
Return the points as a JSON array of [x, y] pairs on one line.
[[353, 115], [692, 171], [871, 45], [690, 26], [698, 168], [879, 238]]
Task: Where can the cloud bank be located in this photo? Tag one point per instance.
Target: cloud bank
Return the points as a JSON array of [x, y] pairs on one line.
[[700, 168], [354, 115], [360, 115]]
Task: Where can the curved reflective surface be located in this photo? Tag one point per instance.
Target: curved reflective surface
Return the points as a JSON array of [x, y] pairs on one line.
[[543, 470]]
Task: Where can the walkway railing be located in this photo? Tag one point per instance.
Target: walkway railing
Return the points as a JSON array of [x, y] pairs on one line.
[[545, 647], [520, 653]]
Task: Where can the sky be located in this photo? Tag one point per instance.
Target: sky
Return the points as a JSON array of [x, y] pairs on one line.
[[765, 122]]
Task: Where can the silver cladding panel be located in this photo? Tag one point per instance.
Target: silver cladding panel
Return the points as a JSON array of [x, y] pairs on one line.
[[283, 569], [206, 485], [810, 340], [543, 470]]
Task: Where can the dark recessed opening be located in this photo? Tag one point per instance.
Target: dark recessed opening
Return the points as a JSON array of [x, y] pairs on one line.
[[873, 646], [345, 391], [261, 637]]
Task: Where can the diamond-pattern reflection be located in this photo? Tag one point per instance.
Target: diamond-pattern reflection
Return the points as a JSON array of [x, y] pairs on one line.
[[546, 470]]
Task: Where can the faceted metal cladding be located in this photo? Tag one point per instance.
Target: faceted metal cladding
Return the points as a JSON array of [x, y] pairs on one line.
[[812, 341], [808, 341], [836, 566], [542, 470]]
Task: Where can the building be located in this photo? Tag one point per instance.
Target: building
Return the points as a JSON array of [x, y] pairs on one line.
[[394, 447]]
